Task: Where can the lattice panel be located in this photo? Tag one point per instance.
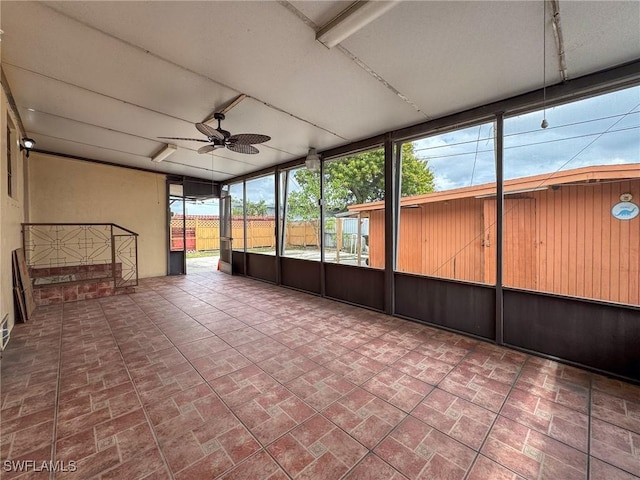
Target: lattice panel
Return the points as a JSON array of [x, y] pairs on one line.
[[126, 260], [67, 245]]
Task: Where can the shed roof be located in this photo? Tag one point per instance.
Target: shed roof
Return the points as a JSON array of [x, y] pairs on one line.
[[584, 175]]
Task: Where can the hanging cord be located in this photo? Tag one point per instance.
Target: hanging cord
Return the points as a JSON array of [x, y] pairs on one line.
[[544, 123], [212, 175]]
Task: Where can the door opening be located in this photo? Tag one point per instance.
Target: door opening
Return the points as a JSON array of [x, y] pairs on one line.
[[225, 233], [202, 235], [177, 247]]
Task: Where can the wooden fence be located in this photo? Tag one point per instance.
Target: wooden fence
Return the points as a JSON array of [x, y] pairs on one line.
[[203, 233], [561, 240]]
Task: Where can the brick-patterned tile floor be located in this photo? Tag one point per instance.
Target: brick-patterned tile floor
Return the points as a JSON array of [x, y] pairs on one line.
[[210, 376]]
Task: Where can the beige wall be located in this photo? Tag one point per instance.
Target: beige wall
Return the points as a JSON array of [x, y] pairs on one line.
[[12, 209], [76, 191]]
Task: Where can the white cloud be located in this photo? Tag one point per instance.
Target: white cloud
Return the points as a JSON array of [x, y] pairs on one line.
[[602, 130]]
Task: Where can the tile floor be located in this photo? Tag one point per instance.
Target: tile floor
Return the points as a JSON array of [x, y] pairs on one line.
[[211, 376]]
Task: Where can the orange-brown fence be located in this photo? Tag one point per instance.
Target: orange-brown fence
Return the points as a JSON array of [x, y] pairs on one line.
[[203, 233], [560, 240], [302, 234]]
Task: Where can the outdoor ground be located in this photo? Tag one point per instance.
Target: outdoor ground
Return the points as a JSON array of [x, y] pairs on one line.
[[202, 262]]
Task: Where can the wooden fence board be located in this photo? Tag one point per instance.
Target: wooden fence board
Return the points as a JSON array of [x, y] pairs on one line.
[[204, 234], [25, 287]]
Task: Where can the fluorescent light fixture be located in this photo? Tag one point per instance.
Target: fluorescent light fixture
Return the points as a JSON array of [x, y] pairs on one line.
[[352, 19], [312, 161], [164, 153]]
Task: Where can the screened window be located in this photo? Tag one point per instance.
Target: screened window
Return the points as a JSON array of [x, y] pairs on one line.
[[260, 205], [572, 194], [354, 210], [237, 215], [447, 214], [300, 195]]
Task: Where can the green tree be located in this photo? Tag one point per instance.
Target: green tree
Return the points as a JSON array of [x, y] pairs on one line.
[[236, 207], [356, 179], [417, 179], [303, 204], [254, 209]]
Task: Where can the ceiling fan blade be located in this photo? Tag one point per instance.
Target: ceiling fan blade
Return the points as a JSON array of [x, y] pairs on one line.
[[209, 131], [184, 138], [209, 148], [249, 138], [242, 148]]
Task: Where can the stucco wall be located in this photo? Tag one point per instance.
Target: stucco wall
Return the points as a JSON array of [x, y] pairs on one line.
[[76, 191], [11, 210]]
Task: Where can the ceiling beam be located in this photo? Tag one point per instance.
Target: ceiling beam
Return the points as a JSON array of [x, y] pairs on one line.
[[353, 18], [557, 32], [226, 108]]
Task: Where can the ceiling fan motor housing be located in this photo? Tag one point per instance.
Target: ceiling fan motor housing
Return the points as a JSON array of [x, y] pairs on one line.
[[220, 116]]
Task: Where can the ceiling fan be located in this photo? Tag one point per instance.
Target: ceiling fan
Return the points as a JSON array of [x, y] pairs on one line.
[[219, 138]]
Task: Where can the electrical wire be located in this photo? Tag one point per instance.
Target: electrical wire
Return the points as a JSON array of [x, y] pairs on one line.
[[475, 159], [587, 146], [432, 157], [537, 130], [545, 179]]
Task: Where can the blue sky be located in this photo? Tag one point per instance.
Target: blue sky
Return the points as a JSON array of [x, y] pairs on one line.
[[206, 207], [597, 131]]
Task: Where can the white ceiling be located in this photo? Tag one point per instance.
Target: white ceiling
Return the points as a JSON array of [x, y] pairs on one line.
[[103, 80]]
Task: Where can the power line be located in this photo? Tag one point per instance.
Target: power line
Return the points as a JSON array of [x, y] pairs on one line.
[[608, 130], [537, 130], [475, 159], [431, 157], [545, 179]]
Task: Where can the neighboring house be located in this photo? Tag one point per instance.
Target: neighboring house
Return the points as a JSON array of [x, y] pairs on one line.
[[560, 234]]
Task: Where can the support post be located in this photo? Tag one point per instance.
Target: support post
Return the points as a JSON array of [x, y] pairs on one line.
[[338, 238], [389, 224], [397, 197], [499, 145], [358, 241], [285, 193], [244, 226], [323, 287], [278, 227]]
